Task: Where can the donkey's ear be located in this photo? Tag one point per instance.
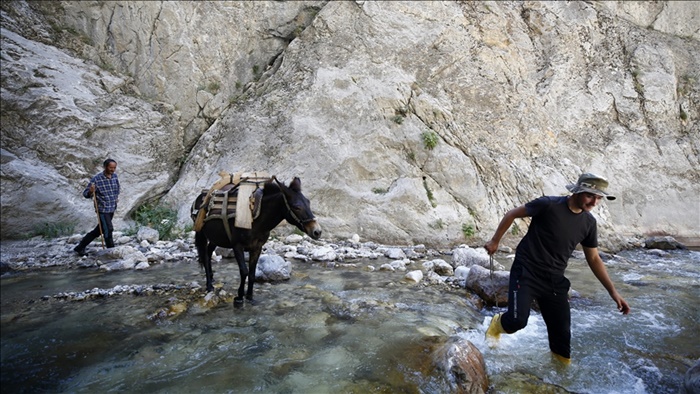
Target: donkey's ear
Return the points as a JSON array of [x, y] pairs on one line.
[[295, 185]]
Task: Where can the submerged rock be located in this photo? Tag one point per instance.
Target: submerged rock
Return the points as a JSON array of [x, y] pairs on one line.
[[518, 382], [691, 380], [663, 243], [491, 287], [464, 366]]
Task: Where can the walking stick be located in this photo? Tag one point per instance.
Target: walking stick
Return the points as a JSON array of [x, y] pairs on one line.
[[99, 220]]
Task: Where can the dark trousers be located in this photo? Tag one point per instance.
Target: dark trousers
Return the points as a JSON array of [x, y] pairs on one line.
[[551, 293], [107, 229]]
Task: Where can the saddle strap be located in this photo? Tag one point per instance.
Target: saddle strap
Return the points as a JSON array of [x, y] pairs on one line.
[[256, 202], [224, 216]]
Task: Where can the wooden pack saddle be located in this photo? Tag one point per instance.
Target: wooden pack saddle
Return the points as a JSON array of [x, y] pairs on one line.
[[237, 195]]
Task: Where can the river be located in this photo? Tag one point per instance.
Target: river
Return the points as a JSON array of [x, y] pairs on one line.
[[337, 330]]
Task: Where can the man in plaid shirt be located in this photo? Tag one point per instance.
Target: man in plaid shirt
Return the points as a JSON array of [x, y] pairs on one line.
[[105, 187]]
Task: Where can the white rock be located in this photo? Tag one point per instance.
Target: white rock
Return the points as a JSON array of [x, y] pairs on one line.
[[324, 253], [414, 276], [147, 234], [293, 239], [273, 268]]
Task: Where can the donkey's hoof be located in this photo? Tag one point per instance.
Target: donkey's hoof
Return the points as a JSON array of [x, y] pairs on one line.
[[238, 302], [251, 301]]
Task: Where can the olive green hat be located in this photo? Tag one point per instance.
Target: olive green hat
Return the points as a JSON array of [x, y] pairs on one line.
[[591, 183]]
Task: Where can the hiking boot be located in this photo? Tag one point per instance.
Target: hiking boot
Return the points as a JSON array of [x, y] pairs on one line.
[[563, 361], [493, 333], [80, 251]]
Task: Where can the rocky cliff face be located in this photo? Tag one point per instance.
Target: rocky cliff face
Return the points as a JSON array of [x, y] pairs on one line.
[[406, 121]]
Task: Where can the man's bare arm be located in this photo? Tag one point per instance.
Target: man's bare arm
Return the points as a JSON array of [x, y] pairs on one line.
[[598, 267], [508, 219]]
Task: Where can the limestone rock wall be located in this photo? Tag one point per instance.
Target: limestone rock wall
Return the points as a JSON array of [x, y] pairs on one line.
[[406, 121]]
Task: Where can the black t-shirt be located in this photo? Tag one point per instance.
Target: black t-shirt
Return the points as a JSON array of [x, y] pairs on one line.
[[553, 234]]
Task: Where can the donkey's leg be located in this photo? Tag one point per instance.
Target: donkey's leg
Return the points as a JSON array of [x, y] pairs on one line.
[[253, 262], [210, 273], [243, 269], [204, 255]]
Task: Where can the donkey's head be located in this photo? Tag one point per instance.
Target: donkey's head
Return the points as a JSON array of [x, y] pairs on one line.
[[299, 209]]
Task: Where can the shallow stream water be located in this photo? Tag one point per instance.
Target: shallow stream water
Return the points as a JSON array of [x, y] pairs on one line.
[[338, 330]]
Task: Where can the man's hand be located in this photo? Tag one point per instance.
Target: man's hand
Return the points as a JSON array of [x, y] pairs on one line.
[[515, 213], [622, 305], [491, 247]]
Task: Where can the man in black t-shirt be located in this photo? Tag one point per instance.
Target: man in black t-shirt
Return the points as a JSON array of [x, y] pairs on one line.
[[558, 225]]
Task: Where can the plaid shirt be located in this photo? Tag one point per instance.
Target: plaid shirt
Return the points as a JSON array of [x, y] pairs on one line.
[[107, 190]]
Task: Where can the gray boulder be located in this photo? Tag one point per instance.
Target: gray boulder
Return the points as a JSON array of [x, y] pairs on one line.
[[663, 243], [493, 289], [272, 268]]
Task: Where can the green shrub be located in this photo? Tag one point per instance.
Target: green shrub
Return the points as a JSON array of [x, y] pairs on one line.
[[430, 139], [53, 230], [213, 87], [468, 230], [158, 217], [429, 193], [438, 225], [379, 190], [515, 230], [411, 156]]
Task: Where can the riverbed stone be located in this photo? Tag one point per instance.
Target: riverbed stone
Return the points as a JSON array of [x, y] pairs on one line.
[[663, 242], [293, 239], [148, 234], [461, 272], [414, 276], [395, 254], [492, 288], [123, 252], [442, 267], [324, 253], [126, 264], [463, 366], [658, 253], [519, 382], [122, 240], [434, 278], [400, 265], [466, 256], [691, 380], [272, 268]]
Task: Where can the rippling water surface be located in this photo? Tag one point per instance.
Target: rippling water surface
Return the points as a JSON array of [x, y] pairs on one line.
[[338, 330]]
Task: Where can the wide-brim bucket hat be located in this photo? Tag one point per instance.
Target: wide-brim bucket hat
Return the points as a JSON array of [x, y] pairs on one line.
[[591, 183]]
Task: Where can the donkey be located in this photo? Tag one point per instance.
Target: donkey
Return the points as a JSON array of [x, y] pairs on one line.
[[278, 203]]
